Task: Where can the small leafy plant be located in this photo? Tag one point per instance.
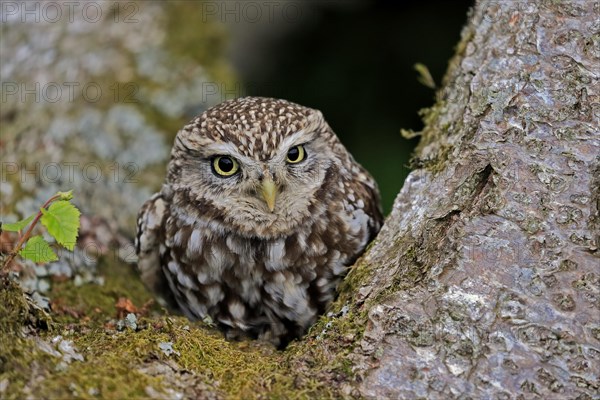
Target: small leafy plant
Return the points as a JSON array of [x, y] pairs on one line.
[[61, 219]]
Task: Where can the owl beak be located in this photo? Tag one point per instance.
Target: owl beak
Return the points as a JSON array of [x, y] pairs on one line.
[[269, 192]]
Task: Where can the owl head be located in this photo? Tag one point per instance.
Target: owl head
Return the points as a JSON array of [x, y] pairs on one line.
[[256, 166]]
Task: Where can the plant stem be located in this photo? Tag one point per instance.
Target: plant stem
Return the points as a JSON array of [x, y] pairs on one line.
[[27, 234]]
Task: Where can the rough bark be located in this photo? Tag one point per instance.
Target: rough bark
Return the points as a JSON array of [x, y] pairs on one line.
[[484, 282]]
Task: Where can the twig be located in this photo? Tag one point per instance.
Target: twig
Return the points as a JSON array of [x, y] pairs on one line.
[[27, 234]]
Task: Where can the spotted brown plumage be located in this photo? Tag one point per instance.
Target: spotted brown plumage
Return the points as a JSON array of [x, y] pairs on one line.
[[261, 213]]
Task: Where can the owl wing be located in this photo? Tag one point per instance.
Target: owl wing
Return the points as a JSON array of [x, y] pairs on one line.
[[369, 193], [149, 239]]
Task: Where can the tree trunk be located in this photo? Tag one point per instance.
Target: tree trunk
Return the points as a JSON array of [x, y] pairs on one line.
[[484, 281]]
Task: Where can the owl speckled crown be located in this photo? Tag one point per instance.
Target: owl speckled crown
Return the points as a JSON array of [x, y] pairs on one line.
[[255, 125]]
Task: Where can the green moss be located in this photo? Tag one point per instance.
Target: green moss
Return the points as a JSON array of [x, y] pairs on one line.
[[432, 132], [412, 271], [461, 47], [233, 369], [430, 114], [110, 369], [20, 358], [357, 276], [320, 361], [13, 307], [94, 304], [238, 367], [19, 355], [107, 368]]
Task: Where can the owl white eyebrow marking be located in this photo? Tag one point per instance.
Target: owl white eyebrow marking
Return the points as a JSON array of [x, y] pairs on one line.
[[226, 149], [295, 139], [221, 149]]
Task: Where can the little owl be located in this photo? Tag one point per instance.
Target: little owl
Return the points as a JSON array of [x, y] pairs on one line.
[[261, 214]]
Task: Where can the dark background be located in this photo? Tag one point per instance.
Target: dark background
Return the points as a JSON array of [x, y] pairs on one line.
[[353, 60]]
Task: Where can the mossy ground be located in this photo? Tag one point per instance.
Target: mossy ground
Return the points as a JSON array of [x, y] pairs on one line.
[[116, 363]]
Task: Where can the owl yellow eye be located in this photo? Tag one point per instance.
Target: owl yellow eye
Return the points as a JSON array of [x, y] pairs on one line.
[[225, 165], [296, 154]]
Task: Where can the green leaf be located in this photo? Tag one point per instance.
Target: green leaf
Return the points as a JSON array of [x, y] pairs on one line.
[[62, 221], [17, 226], [38, 250], [66, 195]]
